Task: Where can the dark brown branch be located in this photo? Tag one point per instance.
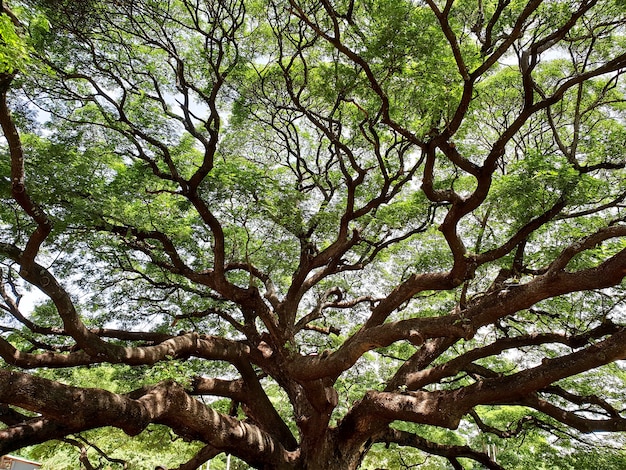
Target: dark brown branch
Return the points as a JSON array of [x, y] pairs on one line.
[[11, 417], [421, 377], [42, 278], [593, 400], [166, 403], [30, 432], [175, 347], [83, 445], [204, 455], [615, 423], [448, 451], [233, 389], [325, 330], [446, 408], [503, 434], [18, 178]]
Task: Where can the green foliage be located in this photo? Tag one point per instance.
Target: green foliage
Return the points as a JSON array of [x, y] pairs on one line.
[[394, 456], [14, 53], [142, 453]]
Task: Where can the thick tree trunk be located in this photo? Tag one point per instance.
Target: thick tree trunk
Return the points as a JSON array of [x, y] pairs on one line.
[[330, 455]]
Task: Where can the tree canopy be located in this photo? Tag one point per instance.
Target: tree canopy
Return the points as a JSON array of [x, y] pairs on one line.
[[309, 233]]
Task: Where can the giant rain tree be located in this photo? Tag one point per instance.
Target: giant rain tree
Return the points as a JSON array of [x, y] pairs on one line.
[[358, 222]]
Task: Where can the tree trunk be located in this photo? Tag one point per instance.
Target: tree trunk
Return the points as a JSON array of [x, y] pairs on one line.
[[330, 454]]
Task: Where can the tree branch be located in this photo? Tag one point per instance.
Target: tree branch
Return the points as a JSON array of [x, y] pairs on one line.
[[166, 403], [448, 451]]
